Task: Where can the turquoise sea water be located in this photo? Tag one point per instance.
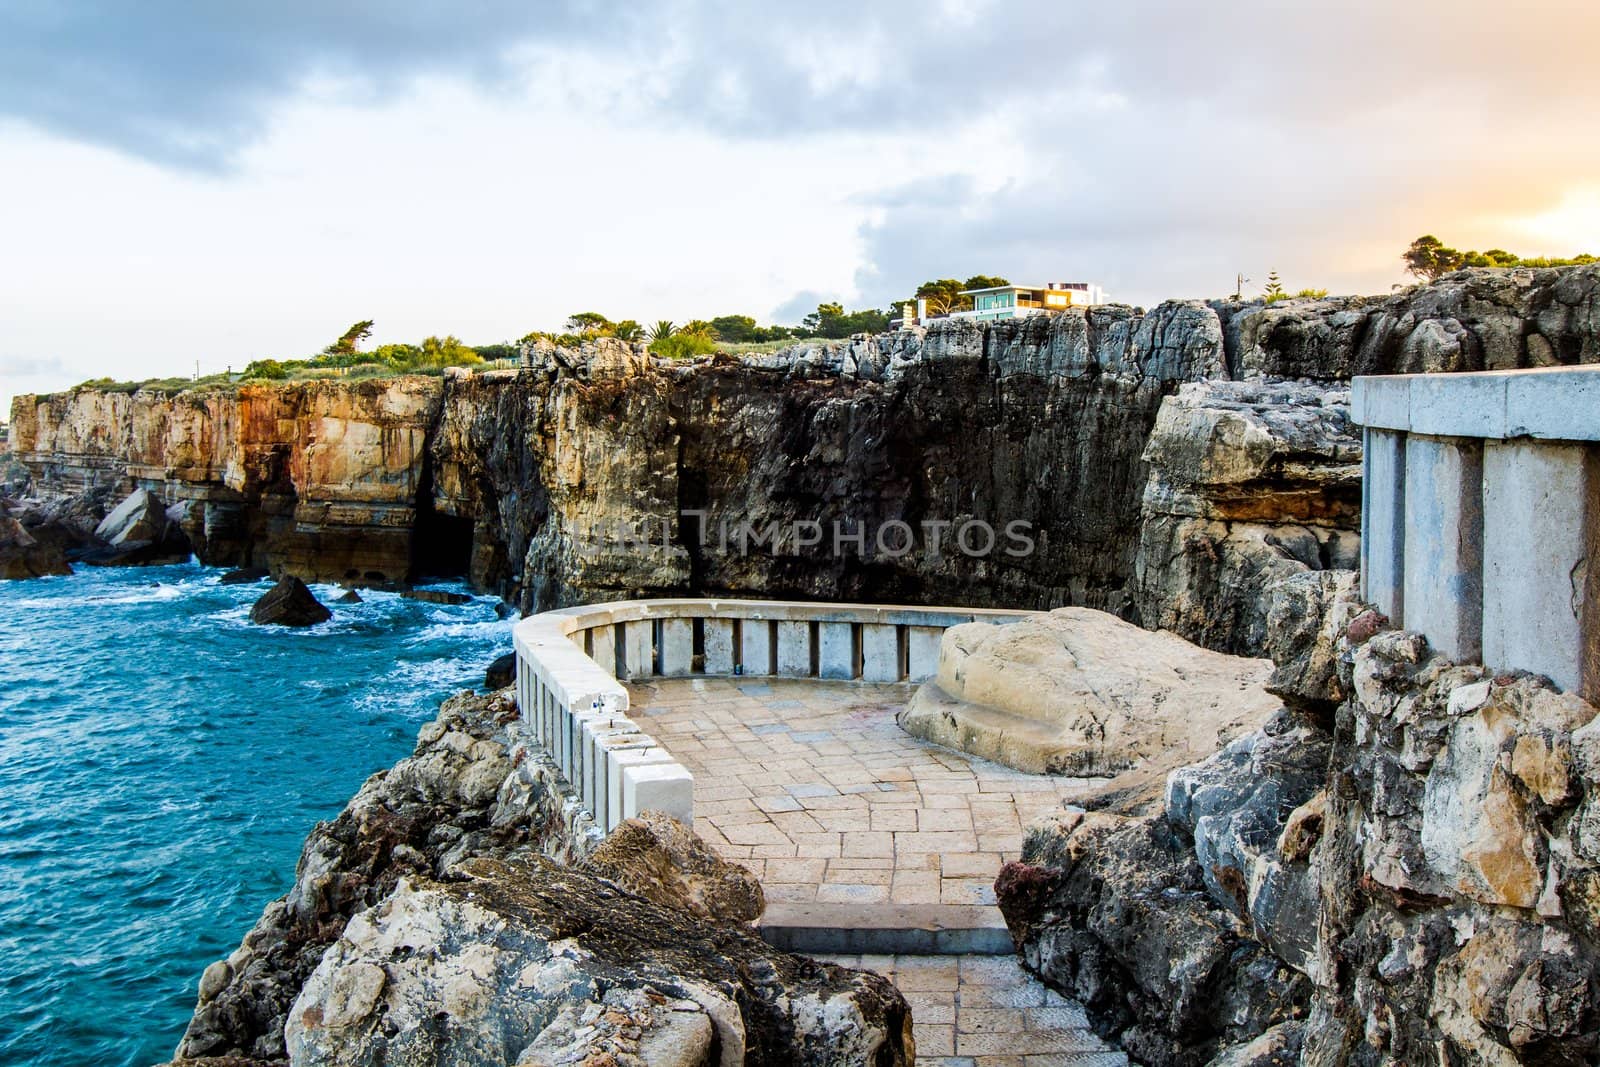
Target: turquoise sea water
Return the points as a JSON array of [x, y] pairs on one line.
[[161, 760]]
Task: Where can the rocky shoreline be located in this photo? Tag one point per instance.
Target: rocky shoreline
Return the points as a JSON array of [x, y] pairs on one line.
[[463, 910]]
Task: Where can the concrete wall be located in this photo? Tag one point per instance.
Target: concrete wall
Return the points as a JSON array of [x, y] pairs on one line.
[[1481, 515]]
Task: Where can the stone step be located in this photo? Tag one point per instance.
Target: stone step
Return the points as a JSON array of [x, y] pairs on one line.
[[903, 929]]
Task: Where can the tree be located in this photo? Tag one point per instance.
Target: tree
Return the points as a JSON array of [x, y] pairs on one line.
[[349, 342], [438, 352], [735, 327], [662, 330], [589, 323], [699, 328], [814, 321], [268, 369], [628, 330], [1429, 258], [943, 296], [984, 281], [1274, 289]]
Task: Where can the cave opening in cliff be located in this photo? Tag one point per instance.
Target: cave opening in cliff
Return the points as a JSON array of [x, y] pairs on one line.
[[441, 546]]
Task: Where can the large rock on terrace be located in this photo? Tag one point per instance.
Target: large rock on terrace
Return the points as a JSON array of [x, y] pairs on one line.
[[1081, 692]]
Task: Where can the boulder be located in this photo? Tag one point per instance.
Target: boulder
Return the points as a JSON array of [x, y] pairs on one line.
[[660, 859], [139, 532], [436, 596], [501, 961], [350, 597], [289, 603], [140, 517], [1114, 911], [501, 673], [245, 576], [1081, 692], [24, 556], [1251, 483]]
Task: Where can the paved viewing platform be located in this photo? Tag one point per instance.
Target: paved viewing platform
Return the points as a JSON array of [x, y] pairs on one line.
[[814, 787], [771, 727]]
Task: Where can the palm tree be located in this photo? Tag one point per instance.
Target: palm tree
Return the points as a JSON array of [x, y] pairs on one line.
[[699, 328], [662, 330], [627, 330]]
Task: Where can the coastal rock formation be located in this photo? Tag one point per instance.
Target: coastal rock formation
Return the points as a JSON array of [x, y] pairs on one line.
[[446, 917], [497, 963], [24, 556], [602, 472], [1081, 692], [1250, 483], [289, 603], [656, 857], [1403, 869], [140, 531], [317, 479]]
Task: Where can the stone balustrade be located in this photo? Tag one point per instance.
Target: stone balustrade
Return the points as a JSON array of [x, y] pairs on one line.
[[1481, 515], [569, 663]]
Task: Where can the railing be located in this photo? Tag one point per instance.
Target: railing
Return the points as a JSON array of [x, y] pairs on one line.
[[569, 662], [1481, 515]]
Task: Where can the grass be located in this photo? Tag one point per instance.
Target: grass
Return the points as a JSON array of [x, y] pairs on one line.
[[764, 347]]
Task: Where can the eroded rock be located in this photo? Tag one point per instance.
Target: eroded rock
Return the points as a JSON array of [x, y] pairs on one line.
[[1081, 692], [289, 603]]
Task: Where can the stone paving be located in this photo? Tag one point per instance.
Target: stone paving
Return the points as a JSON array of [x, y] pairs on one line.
[[986, 1011], [812, 786]]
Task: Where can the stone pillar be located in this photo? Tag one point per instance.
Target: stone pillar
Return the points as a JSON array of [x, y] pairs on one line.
[[719, 646], [794, 648], [638, 648], [677, 647], [1383, 494], [922, 652], [1538, 503], [755, 646], [836, 650], [603, 646], [880, 652], [1442, 579]]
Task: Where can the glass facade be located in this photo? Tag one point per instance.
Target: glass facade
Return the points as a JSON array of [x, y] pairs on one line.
[[994, 301]]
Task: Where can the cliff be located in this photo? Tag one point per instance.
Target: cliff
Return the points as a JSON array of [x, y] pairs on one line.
[[1400, 868], [461, 911], [602, 472]]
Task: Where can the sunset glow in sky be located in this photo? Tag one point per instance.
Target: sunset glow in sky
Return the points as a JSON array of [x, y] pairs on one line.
[[219, 183]]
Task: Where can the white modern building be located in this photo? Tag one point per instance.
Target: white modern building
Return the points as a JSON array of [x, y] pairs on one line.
[[1018, 301]]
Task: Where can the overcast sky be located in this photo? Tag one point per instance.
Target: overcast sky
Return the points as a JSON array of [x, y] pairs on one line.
[[206, 182]]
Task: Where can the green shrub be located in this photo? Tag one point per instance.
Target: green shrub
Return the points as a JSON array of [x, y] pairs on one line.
[[683, 346], [266, 369]]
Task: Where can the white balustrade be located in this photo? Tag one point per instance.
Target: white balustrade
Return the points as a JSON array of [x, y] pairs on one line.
[[1481, 515], [568, 689]]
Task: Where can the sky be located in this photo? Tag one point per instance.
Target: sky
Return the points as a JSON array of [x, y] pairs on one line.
[[186, 184]]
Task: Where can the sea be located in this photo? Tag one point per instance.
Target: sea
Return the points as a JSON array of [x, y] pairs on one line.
[[161, 761]]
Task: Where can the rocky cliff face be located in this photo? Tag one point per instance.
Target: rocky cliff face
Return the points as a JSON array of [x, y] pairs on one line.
[[1410, 878], [317, 479], [463, 911], [604, 473]]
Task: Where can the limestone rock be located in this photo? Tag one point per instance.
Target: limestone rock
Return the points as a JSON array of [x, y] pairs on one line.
[[245, 576], [436, 596], [289, 603], [507, 950], [660, 859], [1234, 807], [1308, 620], [24, 556], [1081, 692], [500, 673], [1114, 911], [1251, 483], [140, 517], [429, 924], [139, 532]]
